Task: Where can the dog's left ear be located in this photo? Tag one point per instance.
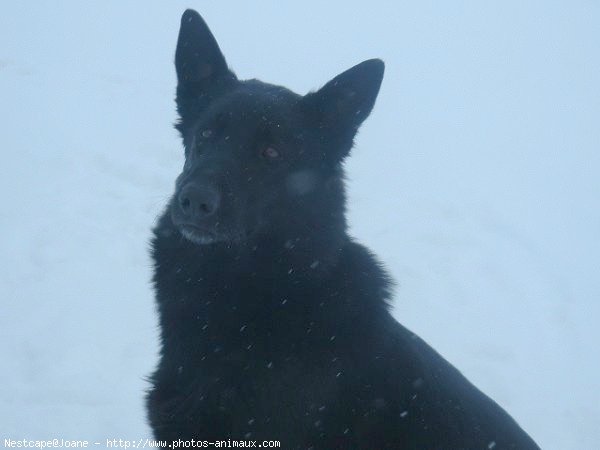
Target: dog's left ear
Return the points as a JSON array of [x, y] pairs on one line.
[[345, 102], [202, 73]]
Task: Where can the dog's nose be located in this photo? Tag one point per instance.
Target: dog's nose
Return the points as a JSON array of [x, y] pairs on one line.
[[197, 202]]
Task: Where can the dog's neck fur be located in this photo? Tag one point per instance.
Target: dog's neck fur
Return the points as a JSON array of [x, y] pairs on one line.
[[291, 279]]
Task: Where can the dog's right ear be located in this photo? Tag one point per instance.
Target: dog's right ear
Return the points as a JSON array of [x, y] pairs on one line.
[[202, 73]]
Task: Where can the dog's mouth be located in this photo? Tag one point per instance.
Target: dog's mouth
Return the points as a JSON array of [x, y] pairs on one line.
[[197, 235]]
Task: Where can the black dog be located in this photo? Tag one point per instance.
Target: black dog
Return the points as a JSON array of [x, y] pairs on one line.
[[275, 324]]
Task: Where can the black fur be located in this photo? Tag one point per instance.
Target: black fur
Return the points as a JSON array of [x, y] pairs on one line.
[[274, 323]]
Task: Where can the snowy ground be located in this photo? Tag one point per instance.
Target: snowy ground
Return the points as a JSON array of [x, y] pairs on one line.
[[476, 180]]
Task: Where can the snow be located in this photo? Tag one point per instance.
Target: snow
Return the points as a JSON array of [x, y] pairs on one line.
[[476, 181]]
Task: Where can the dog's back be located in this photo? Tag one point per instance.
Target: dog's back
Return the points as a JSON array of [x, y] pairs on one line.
[[274, 323]]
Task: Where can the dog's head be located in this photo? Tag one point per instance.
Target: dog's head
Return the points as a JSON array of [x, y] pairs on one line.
[[258, 157]]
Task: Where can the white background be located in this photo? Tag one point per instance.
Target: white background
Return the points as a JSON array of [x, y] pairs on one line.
[[476, 180]]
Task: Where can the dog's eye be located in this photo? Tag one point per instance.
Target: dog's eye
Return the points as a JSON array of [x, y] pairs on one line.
[[206, 133], [270, 153]]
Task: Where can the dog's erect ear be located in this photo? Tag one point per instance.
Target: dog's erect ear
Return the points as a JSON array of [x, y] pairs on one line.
[[202, 72], [347, 100]]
